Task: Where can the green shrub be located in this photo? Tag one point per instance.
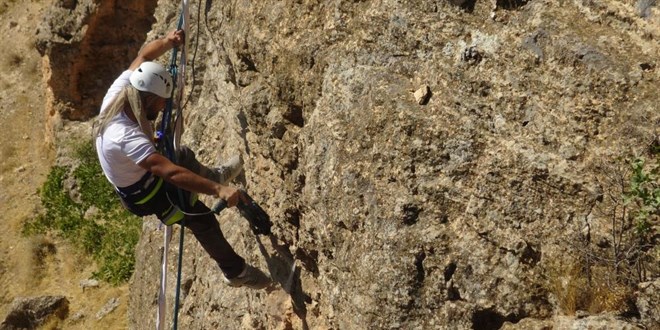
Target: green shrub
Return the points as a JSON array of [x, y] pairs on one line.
[[644, 193], [109, 236]]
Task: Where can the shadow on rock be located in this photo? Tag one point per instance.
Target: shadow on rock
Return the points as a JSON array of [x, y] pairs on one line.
[[283, 270]]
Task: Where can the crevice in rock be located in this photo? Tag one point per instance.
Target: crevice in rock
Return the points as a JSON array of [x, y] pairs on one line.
[[309, 260], [197, 69], [292, 216], [415, 284], [299, 183], [242, 119], [489, 319], [511, 4], [246, 63], [530, 256], [453, 294], [410, 214], [294, 114], [631, 310], [419, 265], [449, 271], [68, 4], [467, 5], [186, 286]]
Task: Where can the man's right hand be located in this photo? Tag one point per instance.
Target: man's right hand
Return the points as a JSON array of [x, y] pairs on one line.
[[230, 194]]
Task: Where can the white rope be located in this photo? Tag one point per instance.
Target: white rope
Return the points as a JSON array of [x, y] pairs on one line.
[[181, 80], [162, 299]]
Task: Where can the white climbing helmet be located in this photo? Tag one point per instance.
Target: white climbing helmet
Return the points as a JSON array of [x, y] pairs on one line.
[[153, 78]]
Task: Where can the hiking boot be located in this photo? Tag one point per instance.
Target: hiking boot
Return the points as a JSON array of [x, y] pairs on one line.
[[229, 170], [251, 277]]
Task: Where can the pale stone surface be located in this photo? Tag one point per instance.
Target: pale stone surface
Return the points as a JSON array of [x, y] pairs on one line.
[[422, 95], [648, 303], [447, 216]]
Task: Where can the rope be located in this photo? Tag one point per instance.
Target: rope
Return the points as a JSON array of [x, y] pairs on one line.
[[170, 145], [162, 300], [187, 213], [194, 57]]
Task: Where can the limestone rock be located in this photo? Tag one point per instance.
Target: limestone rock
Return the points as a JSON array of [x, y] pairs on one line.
[[606, 321], [110, 306], [387, 214], [400, 216], [648, 300], [32, 312], [83, 52], [422, 95]]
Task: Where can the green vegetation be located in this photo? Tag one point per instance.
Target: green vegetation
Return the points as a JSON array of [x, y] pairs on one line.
[[108, 233], [645, 195], [604, 273]]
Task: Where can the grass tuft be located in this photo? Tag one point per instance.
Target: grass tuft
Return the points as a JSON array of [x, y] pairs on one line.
[[577, 287]]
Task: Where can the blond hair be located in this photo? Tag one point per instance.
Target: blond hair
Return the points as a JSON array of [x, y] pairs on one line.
[[130, 95]]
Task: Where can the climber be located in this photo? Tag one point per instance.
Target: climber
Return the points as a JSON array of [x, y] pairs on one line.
[[148, 182]]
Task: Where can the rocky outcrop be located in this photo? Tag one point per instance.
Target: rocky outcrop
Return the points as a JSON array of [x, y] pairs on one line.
[[83, 44], [648, 300], [34, 312], [603, 321], [461, 211]]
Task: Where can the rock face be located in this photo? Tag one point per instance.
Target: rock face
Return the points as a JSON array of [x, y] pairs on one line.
[[85, 43], [648, 300], [31, 313], [457, 212]]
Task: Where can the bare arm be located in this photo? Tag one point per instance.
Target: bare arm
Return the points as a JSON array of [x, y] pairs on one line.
[[188, 180], [158, 47]]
